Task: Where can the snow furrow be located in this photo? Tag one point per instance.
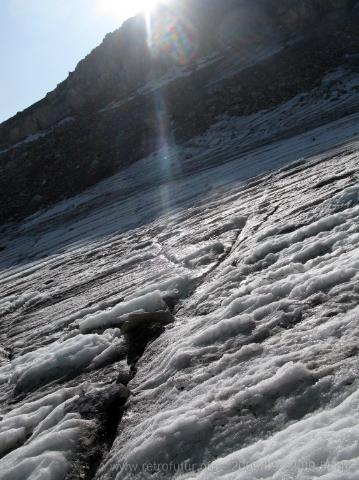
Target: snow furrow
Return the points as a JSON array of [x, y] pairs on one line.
[[223, 291]]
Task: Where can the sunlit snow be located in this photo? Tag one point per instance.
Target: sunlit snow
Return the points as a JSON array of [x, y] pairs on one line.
[[247, 250]]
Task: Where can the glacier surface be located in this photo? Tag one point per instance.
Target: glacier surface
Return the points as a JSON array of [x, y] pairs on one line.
[[219, 281]]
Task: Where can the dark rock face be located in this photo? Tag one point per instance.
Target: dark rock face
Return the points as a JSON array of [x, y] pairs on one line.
[[79, 141], [303, 13], [120, 64]]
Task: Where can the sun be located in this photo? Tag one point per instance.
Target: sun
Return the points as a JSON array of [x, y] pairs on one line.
[[146, 5], [123, 9]]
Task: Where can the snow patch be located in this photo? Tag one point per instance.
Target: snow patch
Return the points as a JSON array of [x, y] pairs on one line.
[[150, 302]]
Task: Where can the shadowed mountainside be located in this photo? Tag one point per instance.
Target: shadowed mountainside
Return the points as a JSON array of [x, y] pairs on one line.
[[107, 113]]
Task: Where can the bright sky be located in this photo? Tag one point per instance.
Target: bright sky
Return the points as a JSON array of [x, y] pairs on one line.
[[41, 41]]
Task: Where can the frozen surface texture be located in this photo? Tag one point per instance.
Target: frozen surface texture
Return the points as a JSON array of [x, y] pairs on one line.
[[219, 281]]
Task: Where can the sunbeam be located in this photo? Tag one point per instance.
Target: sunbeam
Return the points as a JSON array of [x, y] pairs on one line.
[[156, 27]]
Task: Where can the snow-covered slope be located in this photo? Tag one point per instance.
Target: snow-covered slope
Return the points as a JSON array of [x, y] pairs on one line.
[[219, 281]]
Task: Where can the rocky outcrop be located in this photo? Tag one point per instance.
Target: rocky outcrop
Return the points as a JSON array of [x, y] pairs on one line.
[[98, 78]]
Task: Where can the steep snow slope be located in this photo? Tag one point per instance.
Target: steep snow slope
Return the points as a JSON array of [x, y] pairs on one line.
[[269, 338], [220, 282]]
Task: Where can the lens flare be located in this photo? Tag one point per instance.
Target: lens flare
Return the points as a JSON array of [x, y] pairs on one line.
[[167, 38]]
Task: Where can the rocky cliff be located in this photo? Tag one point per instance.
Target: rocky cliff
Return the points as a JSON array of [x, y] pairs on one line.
[[122, 62], [105, 114]]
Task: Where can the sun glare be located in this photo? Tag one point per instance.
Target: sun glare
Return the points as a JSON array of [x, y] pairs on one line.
[[123, 9]]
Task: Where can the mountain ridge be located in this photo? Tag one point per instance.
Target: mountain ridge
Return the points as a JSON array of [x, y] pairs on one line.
[[91, 81]]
